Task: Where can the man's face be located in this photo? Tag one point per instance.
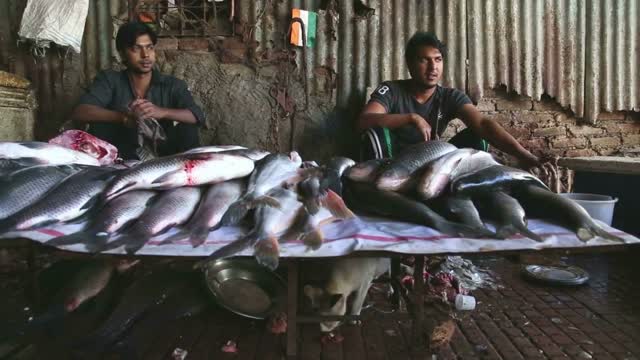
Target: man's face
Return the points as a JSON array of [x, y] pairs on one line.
[[141, 56], [426, 67]]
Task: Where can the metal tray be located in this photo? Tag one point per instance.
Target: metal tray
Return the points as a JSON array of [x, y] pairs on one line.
[[557, 275], [245, 287]]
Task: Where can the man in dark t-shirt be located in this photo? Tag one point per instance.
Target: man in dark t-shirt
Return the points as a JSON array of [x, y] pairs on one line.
[[117, 102], [404, 112]]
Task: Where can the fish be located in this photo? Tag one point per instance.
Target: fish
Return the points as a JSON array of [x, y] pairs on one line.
[[366, 171], [462, 209], [492, 178], [180, 170], [396, 174], [7, 166], [509, 215], [210, 211], [73, 197], [476, 161], [24, 187], [213, 148], [434, 179], [270, 222], [546, 204], [368, 198], [172, 207], [82, 141], [253, 154], [335, 169], [115, 215], [272, 171], [46, 153], [145, 293]]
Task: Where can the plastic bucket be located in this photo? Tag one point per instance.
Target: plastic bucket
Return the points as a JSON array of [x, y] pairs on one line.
[[598, 206]]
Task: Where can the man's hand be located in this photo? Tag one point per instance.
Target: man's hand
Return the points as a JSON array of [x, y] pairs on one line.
[[422, 125], [129, 119], [145, 109]]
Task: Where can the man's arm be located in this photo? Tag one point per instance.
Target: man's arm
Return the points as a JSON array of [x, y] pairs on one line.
[[86, 113], [492, 131], [375, 115], [146, 109]]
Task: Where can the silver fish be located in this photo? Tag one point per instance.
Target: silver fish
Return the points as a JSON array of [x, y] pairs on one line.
[[173, 207], [366, 171], [180, 170], [114, 216], [213, 148], [496, 177], [437, 174], [70, 199], [47, 153], [462, 209], [7, 166], [24, 187], [272, 171], [214, 204], [396, 175], [476, 161]]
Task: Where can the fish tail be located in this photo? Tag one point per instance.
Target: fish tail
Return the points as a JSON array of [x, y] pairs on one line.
[[199, 236], [312, 205], [598, 231], [456, 229], [585, 233], [313, 239], [264, 201], [230, 249], [70, 239], [524, 230], [267, 252], [234, 214], [180, 235], [334, 203]]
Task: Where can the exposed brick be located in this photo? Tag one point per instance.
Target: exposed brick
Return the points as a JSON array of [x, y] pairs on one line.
[[486, 105], [624, 127], [514, 102], [609, 141], [551, 131], [502, 118], [580, 152], [547, 104], [167, 44], [232, 50], [631, 139], [193, 44], [607, 151], [564, 142], [541, 119], [584, 130], [534, 144], [616, 115], [518, 132]]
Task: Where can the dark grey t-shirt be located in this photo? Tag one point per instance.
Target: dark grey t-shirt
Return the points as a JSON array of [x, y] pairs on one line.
[[112, 90], [442, 107]]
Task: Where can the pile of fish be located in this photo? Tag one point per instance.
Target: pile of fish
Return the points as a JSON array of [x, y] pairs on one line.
[[454, 190], [277, 196]]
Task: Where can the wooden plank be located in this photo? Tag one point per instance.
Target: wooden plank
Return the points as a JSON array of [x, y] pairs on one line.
[[310, 347], [249, 337], [332, 350], [353, 345], [292, 309], [606, 164], [166, 335], [270, 347], [209, 343], [395, 344]]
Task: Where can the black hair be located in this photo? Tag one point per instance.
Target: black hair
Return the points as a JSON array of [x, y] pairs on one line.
[[129, 32], [422, 38]]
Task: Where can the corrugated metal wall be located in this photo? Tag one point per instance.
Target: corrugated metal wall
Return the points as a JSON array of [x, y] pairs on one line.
[[583, 53]]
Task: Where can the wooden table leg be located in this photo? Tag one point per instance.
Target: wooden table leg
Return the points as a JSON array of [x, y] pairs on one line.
[[292, 309], [395, 276], [418, 286]]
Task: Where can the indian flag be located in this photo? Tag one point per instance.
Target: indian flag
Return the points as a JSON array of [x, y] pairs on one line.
[[309, 19]]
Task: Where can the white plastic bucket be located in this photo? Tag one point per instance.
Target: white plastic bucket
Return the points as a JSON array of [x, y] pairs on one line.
[[598, 206]]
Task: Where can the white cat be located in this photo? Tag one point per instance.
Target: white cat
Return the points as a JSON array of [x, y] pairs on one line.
[[347, 276]]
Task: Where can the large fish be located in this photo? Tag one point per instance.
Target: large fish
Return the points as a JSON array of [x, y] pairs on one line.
[[272, 171], [115, 215], [270, 223], [173, 207], [396, 175], [546, 204], [508, 214], [476, 161], [335, 169], [493, 178], [146, 292], [7, 166], [70, 199], [46, 153], [180, 170], [213, 148], [462, 209], [366, 197], [366, 171], [24, 187], [213, 205], [437, 174]]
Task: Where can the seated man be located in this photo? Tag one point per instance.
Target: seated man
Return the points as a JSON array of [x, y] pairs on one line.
[[125, 107], [404, 112]]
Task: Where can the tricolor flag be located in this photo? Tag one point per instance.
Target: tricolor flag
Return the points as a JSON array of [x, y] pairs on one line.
[[309, 19]]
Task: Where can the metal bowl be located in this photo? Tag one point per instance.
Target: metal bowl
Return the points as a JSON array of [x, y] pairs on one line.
[[245, 287], [556, 275]]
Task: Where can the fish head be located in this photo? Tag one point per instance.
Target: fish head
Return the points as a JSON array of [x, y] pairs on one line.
[[325, 303]]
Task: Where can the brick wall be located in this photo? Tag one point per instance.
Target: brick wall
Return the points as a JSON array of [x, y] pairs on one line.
[[544, 126]]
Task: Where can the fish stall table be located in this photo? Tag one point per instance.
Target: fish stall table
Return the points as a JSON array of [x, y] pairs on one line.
[[360, 236]]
